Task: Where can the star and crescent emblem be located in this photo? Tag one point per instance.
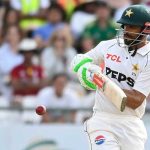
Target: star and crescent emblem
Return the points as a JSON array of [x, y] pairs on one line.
[[129, 13], [135, 68]]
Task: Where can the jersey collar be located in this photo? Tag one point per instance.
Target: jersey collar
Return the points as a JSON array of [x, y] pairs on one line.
[[144, 50]]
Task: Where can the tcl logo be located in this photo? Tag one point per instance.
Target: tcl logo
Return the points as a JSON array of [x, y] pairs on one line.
[[113, 57]]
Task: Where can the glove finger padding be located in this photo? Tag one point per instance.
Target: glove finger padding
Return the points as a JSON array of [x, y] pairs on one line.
[[85, 75], [78, 61]]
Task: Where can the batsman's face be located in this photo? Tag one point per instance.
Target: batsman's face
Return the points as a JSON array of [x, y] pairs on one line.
[[131, 32]]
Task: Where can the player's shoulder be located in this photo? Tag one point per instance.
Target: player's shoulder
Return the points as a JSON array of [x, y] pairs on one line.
[[148, 59], [108, 43], [146, 55], [146, 51], [112, 41]]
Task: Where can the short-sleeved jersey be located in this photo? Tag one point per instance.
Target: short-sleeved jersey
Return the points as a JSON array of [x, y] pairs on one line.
[[125, 70]]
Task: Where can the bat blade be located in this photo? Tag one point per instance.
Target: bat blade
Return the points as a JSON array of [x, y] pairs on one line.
[[111, 90]]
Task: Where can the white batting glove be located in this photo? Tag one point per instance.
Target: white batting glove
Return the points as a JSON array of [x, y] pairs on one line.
[[84, 67], [85, 75]]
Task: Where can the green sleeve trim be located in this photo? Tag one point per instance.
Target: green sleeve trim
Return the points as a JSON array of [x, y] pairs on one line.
[[82, 62], [88, 83]]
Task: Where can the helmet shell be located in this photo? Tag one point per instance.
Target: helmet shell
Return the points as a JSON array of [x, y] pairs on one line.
[[138, 15]]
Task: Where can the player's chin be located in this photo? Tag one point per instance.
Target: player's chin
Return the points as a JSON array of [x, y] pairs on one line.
[[127, 41]]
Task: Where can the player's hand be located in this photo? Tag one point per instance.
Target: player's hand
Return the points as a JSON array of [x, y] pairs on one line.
[[84, 67], [85, 75], [94, 69]]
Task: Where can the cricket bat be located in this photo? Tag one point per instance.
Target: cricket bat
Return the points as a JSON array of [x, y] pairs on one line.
[[111, 90]]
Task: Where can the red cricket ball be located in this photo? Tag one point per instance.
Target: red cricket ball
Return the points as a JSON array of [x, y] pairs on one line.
[[40, 110]]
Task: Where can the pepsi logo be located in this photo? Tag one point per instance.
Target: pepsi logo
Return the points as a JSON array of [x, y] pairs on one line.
[[99, 140]]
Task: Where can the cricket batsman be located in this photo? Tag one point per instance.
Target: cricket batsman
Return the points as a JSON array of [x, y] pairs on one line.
[[127, 64]]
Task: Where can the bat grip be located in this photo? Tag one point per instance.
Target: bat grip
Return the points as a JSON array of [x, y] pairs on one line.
[[98, 81]]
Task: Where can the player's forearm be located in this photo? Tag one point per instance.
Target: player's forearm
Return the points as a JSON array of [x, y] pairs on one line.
[[134, 98]]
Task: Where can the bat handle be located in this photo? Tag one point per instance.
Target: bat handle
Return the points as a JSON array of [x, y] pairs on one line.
[[98, 81]]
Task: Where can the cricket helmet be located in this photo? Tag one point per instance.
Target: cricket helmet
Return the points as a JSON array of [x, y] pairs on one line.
[[136, 15]]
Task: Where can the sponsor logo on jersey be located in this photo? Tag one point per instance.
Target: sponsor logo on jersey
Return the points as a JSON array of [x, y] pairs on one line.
[[113, 57], [119, 76], [99, 140]]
